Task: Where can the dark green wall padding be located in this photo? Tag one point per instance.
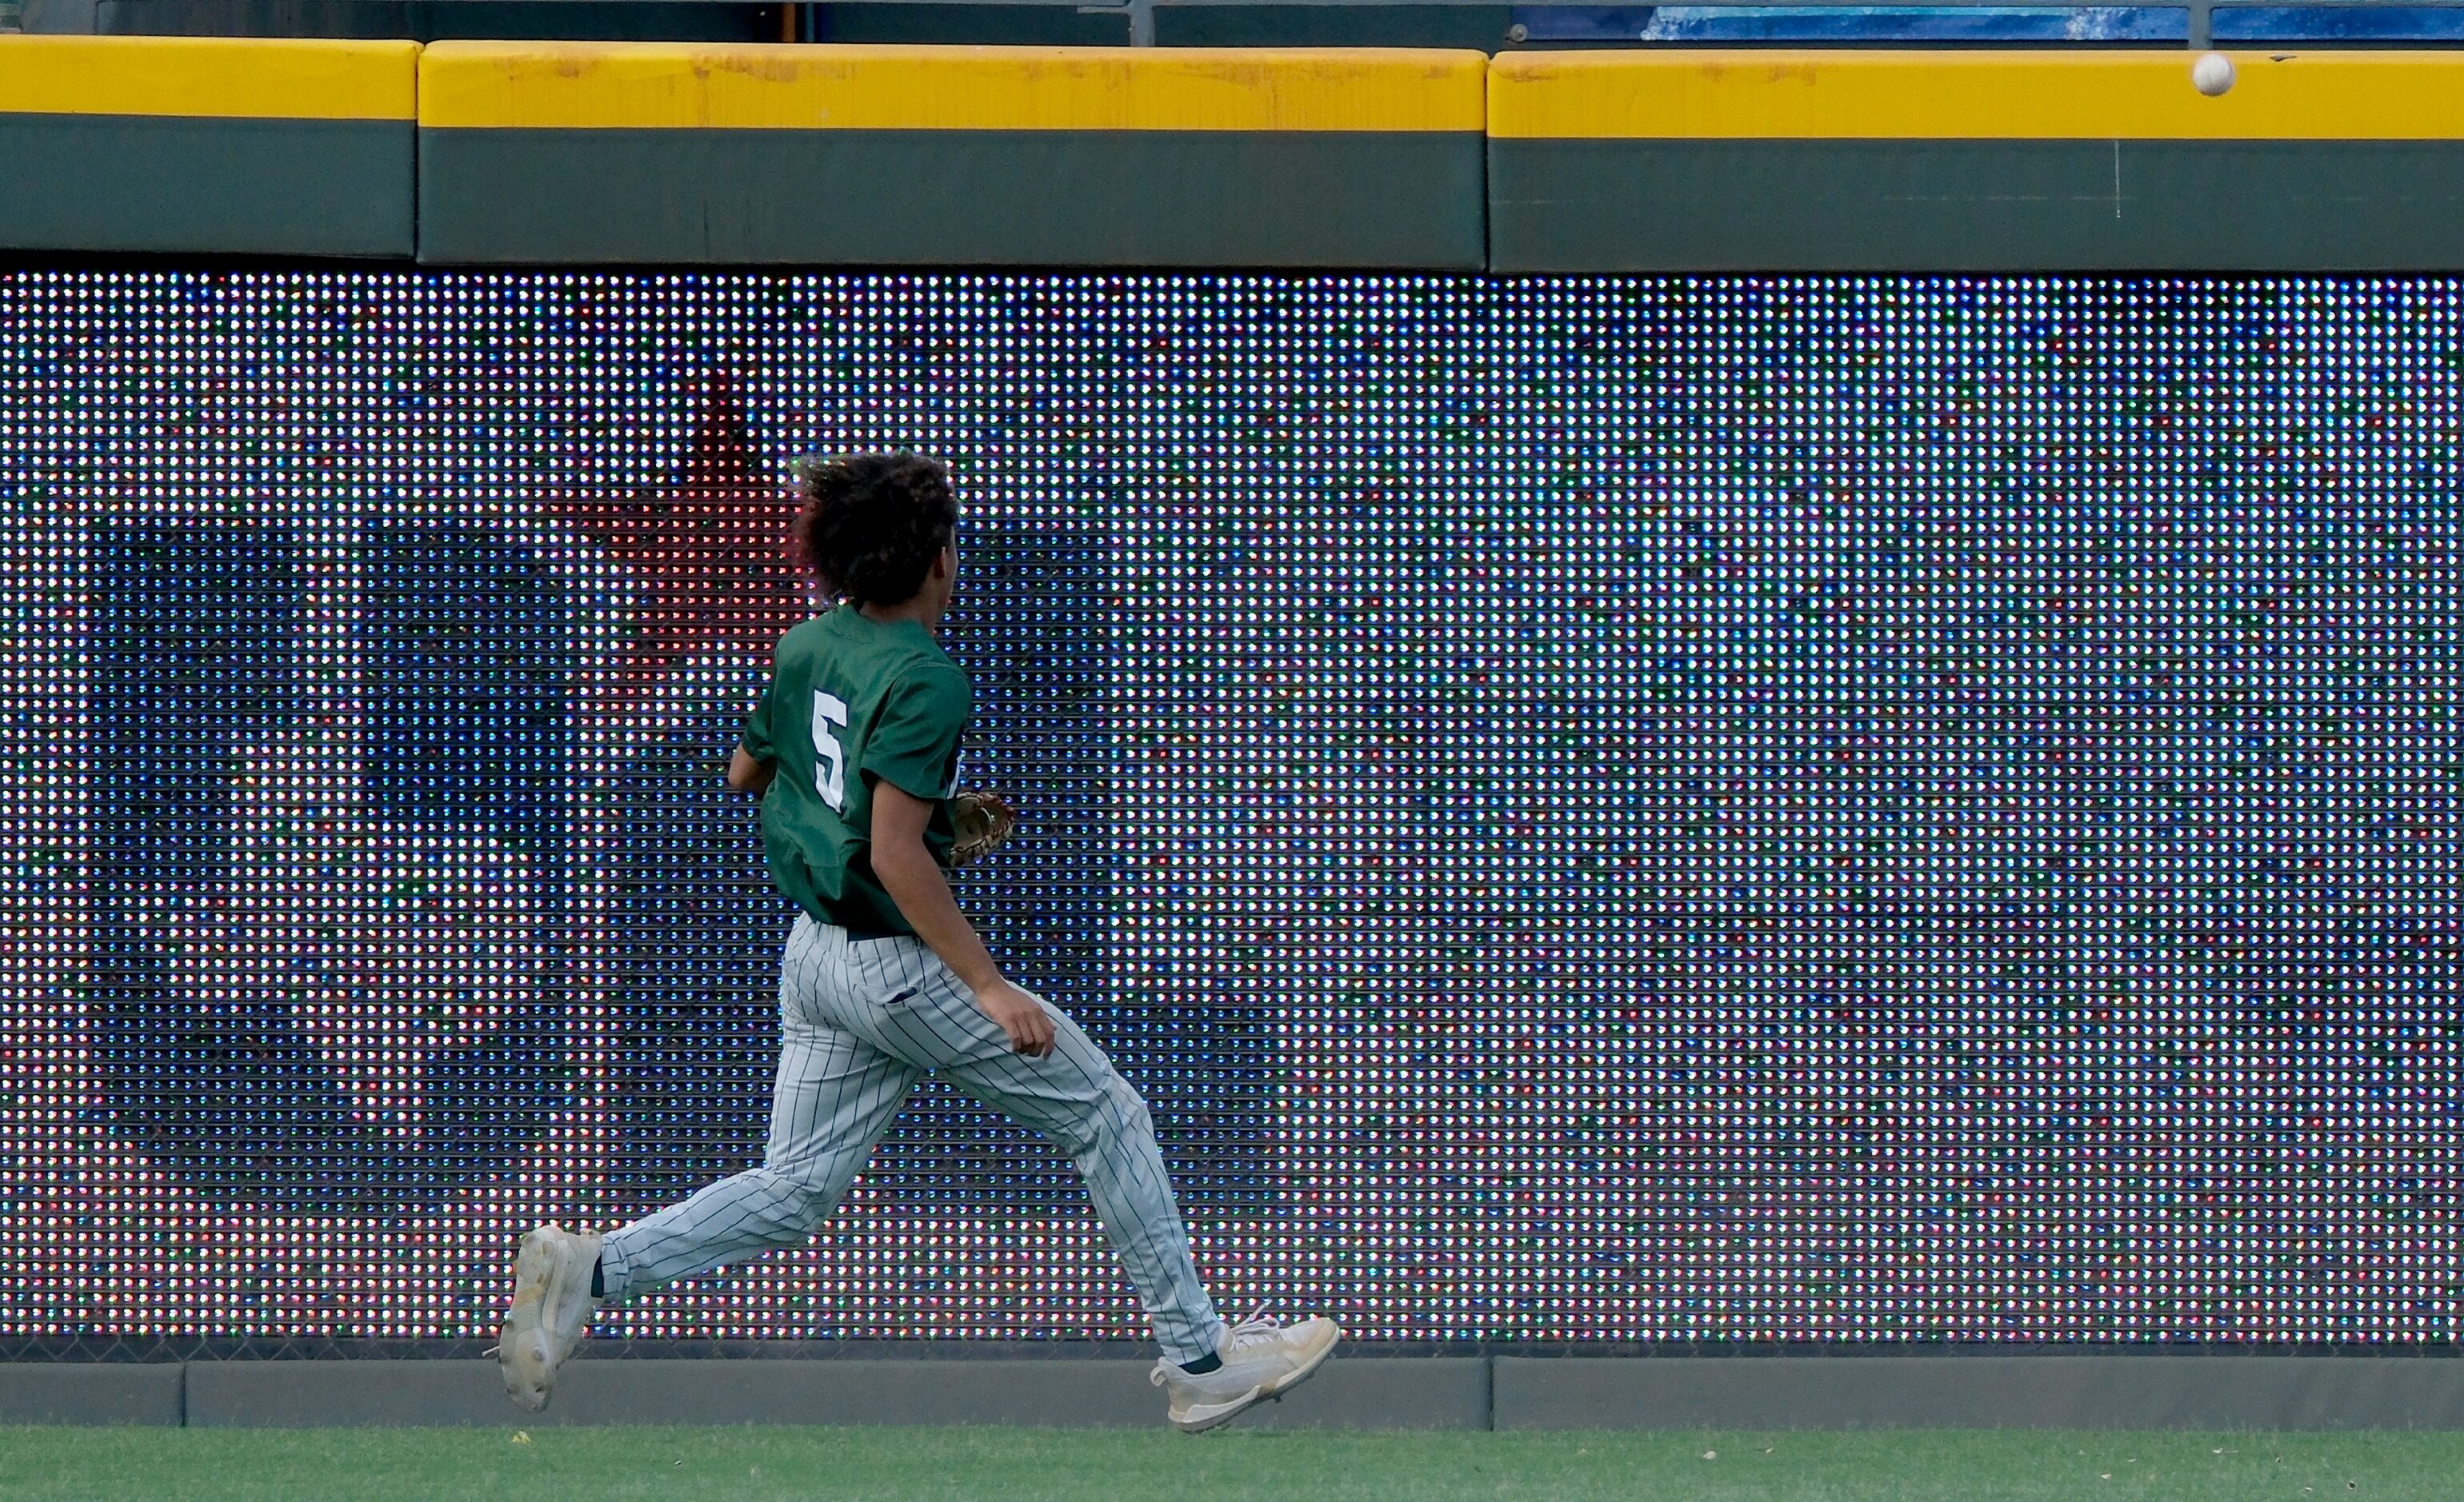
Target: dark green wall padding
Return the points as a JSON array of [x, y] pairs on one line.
[[1188, 198], [1303, 200], [1569, 206], [1643, 161], [207, 185]]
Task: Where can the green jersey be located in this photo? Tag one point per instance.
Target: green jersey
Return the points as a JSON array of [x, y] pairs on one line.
[[851, 701]]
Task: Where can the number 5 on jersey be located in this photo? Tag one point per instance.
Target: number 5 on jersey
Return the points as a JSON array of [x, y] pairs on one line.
[[829, 756]]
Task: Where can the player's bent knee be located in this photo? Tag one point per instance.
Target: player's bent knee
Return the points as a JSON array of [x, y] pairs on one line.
[[1103, 1118], [1121, 1112], [813, 1188]]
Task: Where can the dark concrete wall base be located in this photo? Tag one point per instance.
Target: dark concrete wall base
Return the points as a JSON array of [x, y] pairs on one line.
[[1365, 1392], [2046, 1392], [1720, 1392], [100, 1392]]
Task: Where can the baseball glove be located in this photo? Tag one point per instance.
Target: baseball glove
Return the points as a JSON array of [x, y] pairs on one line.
[[983, 819]]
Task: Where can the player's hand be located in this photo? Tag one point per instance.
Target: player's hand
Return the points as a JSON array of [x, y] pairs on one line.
[[1021, 1014]]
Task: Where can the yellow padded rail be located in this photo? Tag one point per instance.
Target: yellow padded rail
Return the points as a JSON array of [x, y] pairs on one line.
[[216, 76], [658, 85], [2044, 96]]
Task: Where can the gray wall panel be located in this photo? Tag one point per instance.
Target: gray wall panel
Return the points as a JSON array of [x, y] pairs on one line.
[[1074, 1393], [959, 198], [1368, 1392], [313, 1394], [118, 183], [2035, 1391], [1363, 1393], [2021, 205], [99, 1392], [1804, 1392]]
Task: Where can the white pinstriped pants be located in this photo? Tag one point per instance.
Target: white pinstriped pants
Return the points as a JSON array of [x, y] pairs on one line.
[[860, 1022]]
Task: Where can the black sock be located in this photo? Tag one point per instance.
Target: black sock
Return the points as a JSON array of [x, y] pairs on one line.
[[597, 1282], [1209, 1362]]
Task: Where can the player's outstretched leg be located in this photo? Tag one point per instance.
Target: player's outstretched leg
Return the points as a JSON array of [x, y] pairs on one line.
[[912, 1007], [835, 1096], [550, 1312]]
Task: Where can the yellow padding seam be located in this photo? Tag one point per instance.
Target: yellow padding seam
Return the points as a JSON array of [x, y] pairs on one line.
[[684, 87], [225, 78], [2089, 95]]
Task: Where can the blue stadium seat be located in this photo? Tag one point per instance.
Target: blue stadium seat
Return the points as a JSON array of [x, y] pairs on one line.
[[1980, 25]]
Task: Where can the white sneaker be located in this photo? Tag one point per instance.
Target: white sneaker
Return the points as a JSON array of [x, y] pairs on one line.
[[1260, 1360], [550, 1312]]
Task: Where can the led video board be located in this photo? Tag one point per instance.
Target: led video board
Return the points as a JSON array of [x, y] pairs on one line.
[[1801, 809]]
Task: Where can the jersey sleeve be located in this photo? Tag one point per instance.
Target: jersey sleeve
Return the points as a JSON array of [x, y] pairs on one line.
[[914, 746]]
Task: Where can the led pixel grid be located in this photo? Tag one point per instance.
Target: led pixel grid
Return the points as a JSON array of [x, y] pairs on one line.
[[1733, 809]]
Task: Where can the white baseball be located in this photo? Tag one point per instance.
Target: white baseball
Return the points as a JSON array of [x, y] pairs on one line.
[[2212, 74]]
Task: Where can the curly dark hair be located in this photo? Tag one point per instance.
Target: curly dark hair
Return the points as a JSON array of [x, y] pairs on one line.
[[872, 522]]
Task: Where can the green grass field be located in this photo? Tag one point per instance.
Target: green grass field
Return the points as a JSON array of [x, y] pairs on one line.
[[998, 1464]]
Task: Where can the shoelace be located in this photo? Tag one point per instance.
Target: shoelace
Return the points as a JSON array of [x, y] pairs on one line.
[[1254, 1329], [1248, 1332]]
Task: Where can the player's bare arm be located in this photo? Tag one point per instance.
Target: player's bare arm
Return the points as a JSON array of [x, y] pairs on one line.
[[746, 773], [914, 881]]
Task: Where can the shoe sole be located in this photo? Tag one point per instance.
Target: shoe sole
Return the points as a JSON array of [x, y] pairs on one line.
[[1200, 1422], [527, 1323]]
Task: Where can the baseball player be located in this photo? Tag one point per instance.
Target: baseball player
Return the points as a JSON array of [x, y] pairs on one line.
[[854, 749]]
